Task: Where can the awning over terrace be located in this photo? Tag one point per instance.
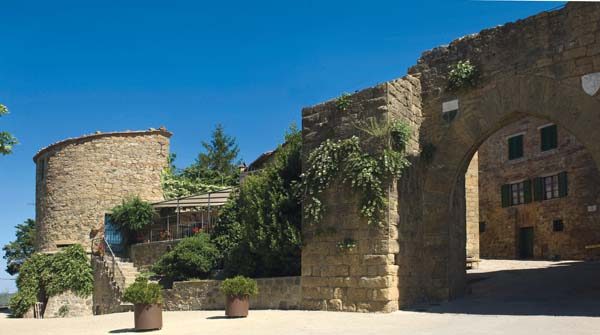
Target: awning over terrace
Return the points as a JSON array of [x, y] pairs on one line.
[[210, 199], [186, 216]]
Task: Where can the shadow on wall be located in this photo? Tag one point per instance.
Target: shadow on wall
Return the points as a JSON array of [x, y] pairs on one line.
[[564, 289]]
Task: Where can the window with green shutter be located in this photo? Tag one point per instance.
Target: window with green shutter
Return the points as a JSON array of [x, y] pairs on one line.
[[516, 193], [563, 184], [551, 187], [538, 189], [515, 147], [549, 137], [505, 194]]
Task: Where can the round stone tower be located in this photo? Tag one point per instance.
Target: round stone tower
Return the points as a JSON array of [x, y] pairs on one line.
[[79, 180]]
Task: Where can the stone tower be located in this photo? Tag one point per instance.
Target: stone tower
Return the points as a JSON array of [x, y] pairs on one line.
[[79, 179]]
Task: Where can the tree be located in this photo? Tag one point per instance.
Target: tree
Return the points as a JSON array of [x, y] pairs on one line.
[[7, 140], [258, 231], [19, 250], [221, 152], [214, 169], [218, 165]]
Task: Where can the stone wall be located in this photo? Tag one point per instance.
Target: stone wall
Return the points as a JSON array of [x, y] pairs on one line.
[[68, 305], [106, 297], [532, 67], [144, 255], [472, 203], [366, 277], [501, 236], [79, 180], [542, 66], [274, 293]]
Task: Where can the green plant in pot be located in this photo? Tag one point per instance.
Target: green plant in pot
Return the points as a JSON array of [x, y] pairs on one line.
[[237, 292], [147, 300]]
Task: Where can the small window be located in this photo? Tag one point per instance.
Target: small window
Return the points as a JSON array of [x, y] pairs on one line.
[[549, 137], [557, 225], [515, 147], [516, 193], [482, 227], [43, 169]]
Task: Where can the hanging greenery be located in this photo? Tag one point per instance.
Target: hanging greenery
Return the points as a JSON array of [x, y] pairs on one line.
[[43, 276], [348, 162], [462, 75]]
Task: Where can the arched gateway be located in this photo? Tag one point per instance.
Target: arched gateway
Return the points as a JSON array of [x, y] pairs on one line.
[[547, 66]]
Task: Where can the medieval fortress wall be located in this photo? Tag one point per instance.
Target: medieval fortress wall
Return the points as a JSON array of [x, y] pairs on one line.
[[78, 180], [534, 66]]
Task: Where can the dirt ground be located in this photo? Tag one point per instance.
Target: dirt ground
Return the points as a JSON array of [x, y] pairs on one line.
[[507, 297]]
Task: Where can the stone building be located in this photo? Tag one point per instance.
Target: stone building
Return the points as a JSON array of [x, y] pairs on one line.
[[78, 180], [538, 192]]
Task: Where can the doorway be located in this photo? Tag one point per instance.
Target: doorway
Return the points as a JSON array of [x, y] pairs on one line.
[[526, 242]]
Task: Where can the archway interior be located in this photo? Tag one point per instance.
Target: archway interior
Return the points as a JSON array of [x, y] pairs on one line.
[[531, 217], [531, 193]]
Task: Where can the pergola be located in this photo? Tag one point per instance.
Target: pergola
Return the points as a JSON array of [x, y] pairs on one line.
[[202, 202]]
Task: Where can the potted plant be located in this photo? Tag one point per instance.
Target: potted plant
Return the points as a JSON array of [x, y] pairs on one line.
[[147, 300], [237, 292]]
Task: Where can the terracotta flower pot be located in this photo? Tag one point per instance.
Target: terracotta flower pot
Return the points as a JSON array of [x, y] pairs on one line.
[[237, 306], [148, 317]]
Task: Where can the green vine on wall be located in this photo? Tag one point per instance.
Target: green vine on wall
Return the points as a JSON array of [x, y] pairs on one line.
[[462, 75], [43, 276], [348, 162]]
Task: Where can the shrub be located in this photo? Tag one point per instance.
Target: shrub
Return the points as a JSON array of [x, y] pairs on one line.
[[132, 214], [462, 75], [239, 286], [44, 276], [343, 102], [143, 292], [193, 257]]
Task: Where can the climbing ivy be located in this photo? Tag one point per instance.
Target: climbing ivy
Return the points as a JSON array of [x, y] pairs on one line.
[[43, 276], [348, 162]]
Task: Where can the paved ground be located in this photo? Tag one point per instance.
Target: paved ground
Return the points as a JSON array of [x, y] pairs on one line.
[[507, 297]]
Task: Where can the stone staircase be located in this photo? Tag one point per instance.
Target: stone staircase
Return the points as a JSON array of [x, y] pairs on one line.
[[117, 273], [129, 271]]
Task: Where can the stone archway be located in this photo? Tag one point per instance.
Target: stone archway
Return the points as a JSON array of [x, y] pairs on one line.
[[482, 112], [532, 67]]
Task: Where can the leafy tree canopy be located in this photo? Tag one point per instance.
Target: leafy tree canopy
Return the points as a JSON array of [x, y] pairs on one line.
[[17, 251], [7, 140], [259, 230]]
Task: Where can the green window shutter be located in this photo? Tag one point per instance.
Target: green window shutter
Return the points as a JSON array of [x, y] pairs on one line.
[[505, 192], [563, 184], [527, 190], [538, 189], [549, 137], [515, 147]]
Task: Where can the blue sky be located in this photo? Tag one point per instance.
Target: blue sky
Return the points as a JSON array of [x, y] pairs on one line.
[[73, 67]]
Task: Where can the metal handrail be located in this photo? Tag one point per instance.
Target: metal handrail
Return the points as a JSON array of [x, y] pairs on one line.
[[117, 275]]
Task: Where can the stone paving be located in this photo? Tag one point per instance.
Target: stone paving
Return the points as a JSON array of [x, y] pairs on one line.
[[508, 297]]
